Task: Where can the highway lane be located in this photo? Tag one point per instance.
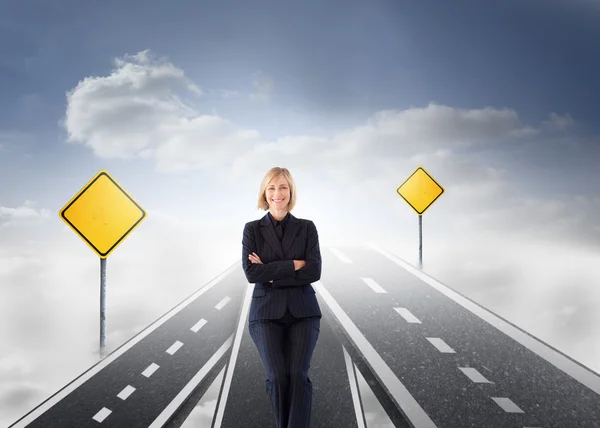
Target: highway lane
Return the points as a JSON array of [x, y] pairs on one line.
[[429, 356], [336, 402], [461, 370], [144, 382]]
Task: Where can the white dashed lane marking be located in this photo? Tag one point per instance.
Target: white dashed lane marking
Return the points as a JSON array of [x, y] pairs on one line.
[[560, 361], [150, 370], [127, 391], [507, 405], [198, 325], [474, 375], [102, 414], [174, 347], [191, 386], [340, 255], [407, 315], [417, 416], [374, 286], [222, 303], [441, 345]]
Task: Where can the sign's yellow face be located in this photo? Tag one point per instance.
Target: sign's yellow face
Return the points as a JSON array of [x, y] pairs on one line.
[[103, 214], [420, 190]]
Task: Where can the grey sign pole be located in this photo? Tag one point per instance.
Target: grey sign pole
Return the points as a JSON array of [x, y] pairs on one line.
[[420, 241], [102, 305]]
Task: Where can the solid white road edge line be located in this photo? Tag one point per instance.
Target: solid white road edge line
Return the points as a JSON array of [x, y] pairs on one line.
[[353, 380], [180, 398], [62, 393], [403, 398], [578, 372], [234, 353]]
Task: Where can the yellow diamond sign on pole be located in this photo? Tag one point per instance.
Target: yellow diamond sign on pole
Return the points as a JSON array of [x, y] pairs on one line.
[[103, 214], [420, 190]]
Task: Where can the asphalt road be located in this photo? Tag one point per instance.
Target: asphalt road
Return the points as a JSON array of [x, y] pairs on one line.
[[143, 383], [432, 358], [244, 401], [461, 364]]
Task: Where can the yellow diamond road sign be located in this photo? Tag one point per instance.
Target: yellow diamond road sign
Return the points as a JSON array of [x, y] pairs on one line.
[[420, 190], [103, 214]]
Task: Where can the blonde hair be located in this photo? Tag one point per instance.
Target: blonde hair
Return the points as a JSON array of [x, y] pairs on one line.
[[270, 175]]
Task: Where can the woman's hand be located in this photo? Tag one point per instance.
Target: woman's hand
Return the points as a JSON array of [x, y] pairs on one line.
[[299, 264], [254, 258]]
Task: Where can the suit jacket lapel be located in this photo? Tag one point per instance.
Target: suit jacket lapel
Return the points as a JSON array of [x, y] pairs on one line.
[[291, 229], [268, 233]]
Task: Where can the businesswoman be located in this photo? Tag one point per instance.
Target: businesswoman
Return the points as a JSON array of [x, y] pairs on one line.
[[281, 256]]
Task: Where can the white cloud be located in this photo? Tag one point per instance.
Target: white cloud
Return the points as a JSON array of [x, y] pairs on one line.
[[136, 112], [558, 123], [20, 395], [47, 285], [393, 133], [544, 288], [205, 142], [226, 93], [363, 159], [10, 365], [25, 213], [263, 86]]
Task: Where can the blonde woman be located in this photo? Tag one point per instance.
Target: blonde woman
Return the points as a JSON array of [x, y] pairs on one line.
[[281, 256]]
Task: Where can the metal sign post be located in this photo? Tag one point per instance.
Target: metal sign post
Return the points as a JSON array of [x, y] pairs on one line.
[[103, 214], [420, 241], [102, 304], [420, 191]]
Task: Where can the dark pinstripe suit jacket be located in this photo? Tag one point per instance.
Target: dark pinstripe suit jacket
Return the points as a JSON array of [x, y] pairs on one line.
[[289, 287]]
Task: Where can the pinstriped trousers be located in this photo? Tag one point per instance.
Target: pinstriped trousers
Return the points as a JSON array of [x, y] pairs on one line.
[[286, 346]]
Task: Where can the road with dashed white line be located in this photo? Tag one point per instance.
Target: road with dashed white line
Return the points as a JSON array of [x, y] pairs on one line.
[[432, 357], [454, 363], [141, 383]]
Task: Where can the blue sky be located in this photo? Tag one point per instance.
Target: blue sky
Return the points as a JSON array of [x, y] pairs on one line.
[[333, 64], [189, 103], [342, 58]]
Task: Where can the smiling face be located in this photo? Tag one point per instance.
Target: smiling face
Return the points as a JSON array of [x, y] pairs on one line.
[[277, 194]]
